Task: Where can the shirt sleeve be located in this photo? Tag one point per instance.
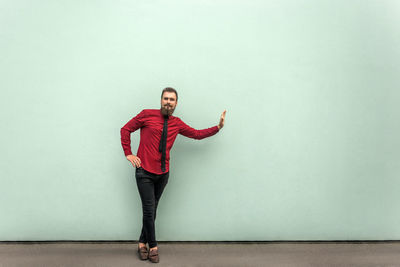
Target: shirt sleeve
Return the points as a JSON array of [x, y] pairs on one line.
[[190, 132], [132, 125]]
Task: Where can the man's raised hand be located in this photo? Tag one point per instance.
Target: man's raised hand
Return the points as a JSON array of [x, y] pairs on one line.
[[222, 120]]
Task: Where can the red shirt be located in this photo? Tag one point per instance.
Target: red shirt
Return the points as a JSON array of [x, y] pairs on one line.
[[150, 122]]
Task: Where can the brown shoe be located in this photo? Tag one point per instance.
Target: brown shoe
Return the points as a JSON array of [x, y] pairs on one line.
[[153, 256], [143, 253]]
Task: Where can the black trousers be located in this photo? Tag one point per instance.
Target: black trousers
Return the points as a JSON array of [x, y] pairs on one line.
[[150, 188]]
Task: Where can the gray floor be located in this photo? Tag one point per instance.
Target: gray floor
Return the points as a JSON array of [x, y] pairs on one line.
[[202, 254]]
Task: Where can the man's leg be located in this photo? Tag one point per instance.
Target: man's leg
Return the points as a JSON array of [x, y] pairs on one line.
[[158, 190], [159, 186], [146, 190], [142, 238]]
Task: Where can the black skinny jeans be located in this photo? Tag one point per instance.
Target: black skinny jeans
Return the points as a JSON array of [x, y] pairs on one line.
[[150, 188]]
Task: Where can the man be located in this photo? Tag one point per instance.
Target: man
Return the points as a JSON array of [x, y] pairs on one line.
[[158, 130]]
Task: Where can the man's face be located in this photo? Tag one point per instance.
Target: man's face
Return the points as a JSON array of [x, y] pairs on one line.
[[168, 103]]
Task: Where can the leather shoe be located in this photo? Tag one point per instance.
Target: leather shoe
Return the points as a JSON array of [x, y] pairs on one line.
[[143, 253], [153, 256]]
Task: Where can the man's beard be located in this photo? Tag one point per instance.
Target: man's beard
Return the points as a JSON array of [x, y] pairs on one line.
[[167, 111]]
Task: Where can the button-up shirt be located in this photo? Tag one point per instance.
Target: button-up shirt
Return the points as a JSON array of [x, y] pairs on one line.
[[150, 122]]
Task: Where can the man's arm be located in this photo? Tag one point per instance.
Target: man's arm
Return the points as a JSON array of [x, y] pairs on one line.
[[200, 134], [132, 125]]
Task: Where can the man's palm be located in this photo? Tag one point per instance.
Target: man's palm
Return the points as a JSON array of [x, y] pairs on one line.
[[222, 120]]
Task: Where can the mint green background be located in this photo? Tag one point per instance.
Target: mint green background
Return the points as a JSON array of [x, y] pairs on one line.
[[310, 150]]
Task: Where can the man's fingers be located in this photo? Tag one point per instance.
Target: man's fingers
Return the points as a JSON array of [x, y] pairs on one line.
[[138, 162], [133, 162]]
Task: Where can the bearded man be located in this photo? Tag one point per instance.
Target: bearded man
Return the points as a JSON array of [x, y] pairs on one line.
[[158, 131]]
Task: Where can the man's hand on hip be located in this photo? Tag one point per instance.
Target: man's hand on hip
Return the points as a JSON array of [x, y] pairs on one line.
[[222, 120], [134, 160]]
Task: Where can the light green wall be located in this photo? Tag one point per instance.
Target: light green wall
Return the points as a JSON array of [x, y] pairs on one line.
[[310, 150]]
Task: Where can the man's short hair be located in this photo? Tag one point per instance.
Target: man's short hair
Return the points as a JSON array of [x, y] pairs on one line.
[[170, 90]]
